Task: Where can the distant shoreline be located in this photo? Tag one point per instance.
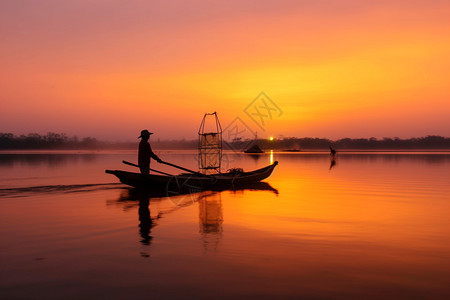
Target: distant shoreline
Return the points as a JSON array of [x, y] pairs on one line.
[[194, 152], [54, 141]]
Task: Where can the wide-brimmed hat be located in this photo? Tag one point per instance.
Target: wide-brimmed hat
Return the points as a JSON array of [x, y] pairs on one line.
[[145, 132]]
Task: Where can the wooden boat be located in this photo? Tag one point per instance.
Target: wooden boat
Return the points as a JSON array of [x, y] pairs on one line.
[[254, 149], [193, 181]]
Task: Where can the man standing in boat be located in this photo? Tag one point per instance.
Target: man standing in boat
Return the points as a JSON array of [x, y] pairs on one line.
[[145, 153]]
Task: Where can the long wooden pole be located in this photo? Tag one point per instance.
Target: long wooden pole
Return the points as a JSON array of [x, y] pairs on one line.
[[184, 169], [153, 170]]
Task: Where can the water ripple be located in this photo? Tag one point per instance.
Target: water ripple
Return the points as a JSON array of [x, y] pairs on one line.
[[73, 188]]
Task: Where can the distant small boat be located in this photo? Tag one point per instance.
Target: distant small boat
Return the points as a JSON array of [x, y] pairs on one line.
[[292, 150], [200, 181], [254, 149]]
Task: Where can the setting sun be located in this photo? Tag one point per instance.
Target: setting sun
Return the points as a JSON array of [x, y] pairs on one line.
[[335, 69]]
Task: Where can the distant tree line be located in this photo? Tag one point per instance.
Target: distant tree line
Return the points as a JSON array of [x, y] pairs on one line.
[[51, 140], [61, 141], [428, 142]]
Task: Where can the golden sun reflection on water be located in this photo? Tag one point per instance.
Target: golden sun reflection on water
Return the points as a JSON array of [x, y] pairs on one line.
[[382, 216]]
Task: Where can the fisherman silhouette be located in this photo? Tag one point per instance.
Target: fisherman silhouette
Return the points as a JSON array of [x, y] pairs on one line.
[[145, 153]]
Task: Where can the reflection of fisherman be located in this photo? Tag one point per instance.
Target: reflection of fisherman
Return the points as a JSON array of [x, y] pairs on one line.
[[332, 157], [145, 152], [146, 222]]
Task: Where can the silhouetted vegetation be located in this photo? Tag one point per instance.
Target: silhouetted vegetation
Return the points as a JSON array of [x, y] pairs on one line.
[[422, 143], [49, 141], [34, 141], [60, 141]]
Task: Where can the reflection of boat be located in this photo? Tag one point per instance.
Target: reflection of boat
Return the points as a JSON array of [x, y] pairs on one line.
[[194, 181], [157, 202], [256, 186], [130, 196]]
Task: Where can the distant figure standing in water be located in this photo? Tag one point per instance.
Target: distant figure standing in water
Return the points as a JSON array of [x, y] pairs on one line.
[[332, 151], [145, 153]]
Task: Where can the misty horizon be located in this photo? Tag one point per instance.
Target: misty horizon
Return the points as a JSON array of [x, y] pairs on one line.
[[62, 141], [155, 137]]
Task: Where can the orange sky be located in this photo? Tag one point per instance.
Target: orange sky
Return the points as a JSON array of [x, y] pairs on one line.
[[334, 68]]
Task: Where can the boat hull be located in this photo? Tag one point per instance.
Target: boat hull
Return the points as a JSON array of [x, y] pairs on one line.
[[192, 181]]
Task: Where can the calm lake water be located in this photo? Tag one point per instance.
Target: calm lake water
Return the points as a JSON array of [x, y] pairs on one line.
[[373, 226]]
